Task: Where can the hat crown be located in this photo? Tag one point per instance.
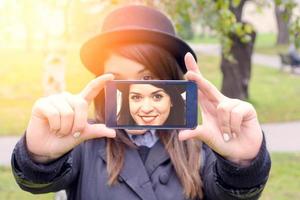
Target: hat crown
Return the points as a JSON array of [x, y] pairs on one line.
[[134, 24], [137, 17]]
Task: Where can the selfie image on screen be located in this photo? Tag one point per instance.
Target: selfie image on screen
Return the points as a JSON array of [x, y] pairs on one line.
[[151, 104]]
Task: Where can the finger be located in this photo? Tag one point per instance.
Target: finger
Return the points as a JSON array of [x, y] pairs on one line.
[[198, 132], [92, 131], [243, 112], [93, 88], [236, 120], [44, 109], [224, 117], [80, 108], [209, 90], [197, 76], [190, 63], [201, 134], [66, 114]]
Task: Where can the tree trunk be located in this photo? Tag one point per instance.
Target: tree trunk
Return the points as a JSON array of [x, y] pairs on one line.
[[282, 26], [238, 11], [236, 74]]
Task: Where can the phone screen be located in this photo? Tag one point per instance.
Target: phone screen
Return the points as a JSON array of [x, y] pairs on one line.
[[148, 104], [151, 104]]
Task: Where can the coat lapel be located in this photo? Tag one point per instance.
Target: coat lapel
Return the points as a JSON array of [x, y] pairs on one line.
[[135, 174], [156, 157]]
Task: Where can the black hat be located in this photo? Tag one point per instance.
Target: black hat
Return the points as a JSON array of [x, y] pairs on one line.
[[134, 24]]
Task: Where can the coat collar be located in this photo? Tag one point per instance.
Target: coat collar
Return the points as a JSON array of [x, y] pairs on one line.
[[135, 173]]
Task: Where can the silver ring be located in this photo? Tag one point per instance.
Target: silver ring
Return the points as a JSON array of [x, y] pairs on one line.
[[76, 135]]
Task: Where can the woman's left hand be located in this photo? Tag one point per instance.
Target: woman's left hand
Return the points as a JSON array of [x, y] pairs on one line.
[[229, 126]]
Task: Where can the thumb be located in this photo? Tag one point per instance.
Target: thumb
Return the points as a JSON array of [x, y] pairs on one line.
[[197, 133], [191, 63], [92, 131]]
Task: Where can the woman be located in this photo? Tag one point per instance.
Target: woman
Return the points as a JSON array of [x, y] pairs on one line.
[[294, 55], [61, 150], [152, 105]]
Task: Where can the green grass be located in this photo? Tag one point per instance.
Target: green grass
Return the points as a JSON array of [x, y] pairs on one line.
[[272, 50], [205, 39], [9, 189], [284, 178], [275, 95], [265, 43], [283, 183], [262, 39], [265, 39]]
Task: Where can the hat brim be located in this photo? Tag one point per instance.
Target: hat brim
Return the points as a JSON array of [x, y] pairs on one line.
[[91, 50]]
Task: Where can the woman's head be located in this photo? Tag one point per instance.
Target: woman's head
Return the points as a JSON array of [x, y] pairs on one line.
[[144, 46], [138, 62], [151, 104]]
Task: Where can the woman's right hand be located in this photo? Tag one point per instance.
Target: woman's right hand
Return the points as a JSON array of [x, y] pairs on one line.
[[59, 122]]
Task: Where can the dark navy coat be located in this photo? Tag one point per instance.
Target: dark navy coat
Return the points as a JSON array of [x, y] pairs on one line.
[[82, 173]]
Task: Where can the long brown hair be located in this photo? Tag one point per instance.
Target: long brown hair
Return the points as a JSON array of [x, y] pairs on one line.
[[185, 155]]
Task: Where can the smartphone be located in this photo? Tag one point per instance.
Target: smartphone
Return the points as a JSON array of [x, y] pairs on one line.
[[155, 104]]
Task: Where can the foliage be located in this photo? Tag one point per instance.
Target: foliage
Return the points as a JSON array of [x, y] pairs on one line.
[[177, 11], [224, 22], [188, 15], [219, 16], [288, 7], [216, 15], [295, 32]]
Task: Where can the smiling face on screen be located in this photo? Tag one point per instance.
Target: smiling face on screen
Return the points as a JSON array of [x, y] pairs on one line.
[[149, 105]]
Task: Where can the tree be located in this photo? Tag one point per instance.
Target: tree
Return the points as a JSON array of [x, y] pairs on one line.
[[283, 12], [237, 71], [282, 25], [236, 37]]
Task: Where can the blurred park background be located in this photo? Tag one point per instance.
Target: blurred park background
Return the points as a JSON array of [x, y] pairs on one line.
[[238, 43]]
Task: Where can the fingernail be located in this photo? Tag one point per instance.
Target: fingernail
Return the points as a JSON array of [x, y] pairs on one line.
[[58, 134], [234, 135], [226, 137], [76, 135]]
